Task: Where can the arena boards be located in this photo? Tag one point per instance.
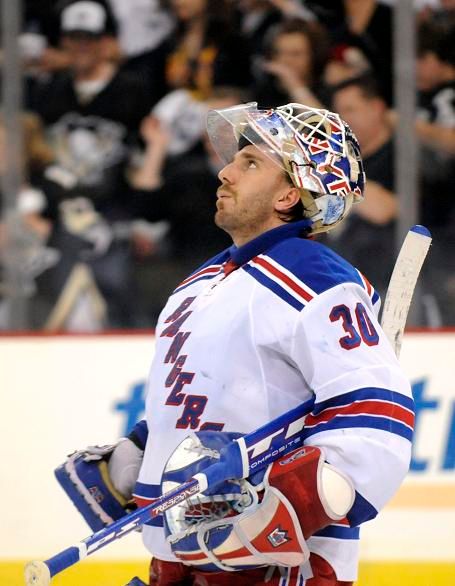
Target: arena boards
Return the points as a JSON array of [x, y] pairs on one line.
[[407, 544]]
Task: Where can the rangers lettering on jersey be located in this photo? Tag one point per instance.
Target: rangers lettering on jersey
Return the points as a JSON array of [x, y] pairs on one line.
[[194, 405]]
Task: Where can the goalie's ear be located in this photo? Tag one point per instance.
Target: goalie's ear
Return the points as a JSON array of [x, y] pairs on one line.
[[287, 198]]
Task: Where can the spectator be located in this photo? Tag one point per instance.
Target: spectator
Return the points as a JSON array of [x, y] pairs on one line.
[[329, 12], [206, 49], [40, 44], [365, 25], [144, 28], [435, 129], [255, 19], [257, 16], [28, 223], [182, 113], [345, 62], [92, 114], [368, 239], [36, 156], [369, 27], [436, 124], [297, 52], [442, 14], [206, 52], [41, 18]]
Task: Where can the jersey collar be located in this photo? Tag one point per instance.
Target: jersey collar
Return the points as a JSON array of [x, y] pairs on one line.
[[242, 254]]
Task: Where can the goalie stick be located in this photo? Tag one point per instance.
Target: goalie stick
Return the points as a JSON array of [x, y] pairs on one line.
[[259, 448], [241, 458], [402, 284]]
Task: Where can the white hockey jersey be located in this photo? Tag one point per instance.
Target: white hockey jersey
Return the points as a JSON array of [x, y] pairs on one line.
[[235, 350]]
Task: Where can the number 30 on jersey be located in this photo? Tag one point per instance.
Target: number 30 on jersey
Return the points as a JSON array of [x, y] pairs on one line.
[[357, 325]]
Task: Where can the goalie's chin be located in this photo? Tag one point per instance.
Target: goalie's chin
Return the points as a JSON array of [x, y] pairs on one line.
[[221, 217]]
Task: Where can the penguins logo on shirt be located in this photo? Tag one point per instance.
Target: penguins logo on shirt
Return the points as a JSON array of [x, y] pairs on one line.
[[88, 145]]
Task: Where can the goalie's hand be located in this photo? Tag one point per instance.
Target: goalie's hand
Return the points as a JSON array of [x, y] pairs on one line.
[[99, 481]]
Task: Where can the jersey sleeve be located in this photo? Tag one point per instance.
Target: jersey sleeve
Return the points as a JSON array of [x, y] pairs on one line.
[[139, 434], [363, 414]]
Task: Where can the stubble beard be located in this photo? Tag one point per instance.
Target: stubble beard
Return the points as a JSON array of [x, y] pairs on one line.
[[222, 219], [228, 220]]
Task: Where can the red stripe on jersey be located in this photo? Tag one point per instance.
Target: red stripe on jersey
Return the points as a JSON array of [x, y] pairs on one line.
[[190, 557], [282, 277], [368, 285], [143, 501], [212, 269], [378, 408]]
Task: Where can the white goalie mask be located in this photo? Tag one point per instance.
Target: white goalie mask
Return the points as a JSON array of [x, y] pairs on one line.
[[313, 146]]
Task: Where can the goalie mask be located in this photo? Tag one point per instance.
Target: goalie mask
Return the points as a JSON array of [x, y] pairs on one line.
[[313, 146]]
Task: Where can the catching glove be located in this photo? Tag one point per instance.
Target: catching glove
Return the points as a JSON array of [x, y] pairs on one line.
[[99, 481]]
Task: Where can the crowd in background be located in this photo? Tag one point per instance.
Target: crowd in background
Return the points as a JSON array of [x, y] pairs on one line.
[[120, 179]]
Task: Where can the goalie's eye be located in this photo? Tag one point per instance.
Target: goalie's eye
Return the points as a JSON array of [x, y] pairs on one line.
[[252, 164]]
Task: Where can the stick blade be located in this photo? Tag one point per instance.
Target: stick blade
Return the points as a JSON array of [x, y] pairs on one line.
[[37, 574]]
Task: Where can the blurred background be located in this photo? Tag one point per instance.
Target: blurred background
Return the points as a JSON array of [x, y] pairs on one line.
[[107, 198], [107, 179]]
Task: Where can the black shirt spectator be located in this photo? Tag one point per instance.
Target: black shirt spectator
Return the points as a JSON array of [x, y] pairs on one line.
[[367, 239]]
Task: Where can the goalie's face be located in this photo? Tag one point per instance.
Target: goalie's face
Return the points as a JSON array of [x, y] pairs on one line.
[[253, 194]]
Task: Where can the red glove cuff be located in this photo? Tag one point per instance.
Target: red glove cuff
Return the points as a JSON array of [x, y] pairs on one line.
[[319, 493]]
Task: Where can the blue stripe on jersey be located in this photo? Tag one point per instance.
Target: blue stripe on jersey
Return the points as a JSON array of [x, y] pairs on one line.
[[155, 522], [273, 286], [369, 421], [218, 259], [147, 491], [139, 434], [367, 393], [201, 278], [361, 511], [319, 267], [339, 532]]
